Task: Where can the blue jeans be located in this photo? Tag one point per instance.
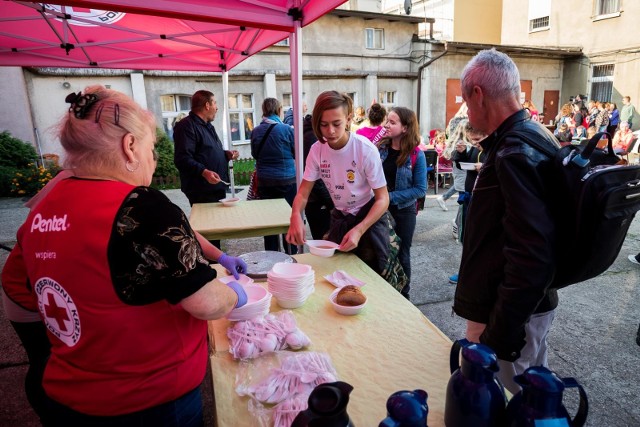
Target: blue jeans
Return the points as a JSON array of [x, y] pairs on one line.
[[287, 192], [447, 194], [185, 411], [405, 226]]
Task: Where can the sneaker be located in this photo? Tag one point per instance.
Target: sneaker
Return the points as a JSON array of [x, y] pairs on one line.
[[441, 203], [453, 279], [633, 259]]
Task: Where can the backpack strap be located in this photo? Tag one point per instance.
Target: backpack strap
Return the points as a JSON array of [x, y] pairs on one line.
[[264, 138], [414, 157]]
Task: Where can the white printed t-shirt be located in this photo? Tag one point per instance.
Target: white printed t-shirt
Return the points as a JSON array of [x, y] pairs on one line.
[[350, 173]]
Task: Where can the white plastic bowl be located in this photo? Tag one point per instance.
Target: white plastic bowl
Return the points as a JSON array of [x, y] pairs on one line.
[[323, 248], [345, 309], [293, 303], [468, 166], [258, 304], [230, 201], [288, 270], [244, 280]]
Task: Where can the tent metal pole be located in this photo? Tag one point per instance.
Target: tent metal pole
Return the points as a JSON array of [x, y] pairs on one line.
[[295, 43], [226, 127]]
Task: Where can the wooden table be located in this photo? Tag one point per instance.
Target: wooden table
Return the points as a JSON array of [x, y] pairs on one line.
[[253, 218], [389, 346]]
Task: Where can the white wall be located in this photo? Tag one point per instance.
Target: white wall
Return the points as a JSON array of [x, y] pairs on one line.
[[15, 113]]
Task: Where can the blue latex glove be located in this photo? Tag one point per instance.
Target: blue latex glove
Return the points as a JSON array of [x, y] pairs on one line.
[[233, 264], [239, 290]]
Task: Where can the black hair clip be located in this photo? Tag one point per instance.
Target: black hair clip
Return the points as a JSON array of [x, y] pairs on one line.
[[80, 104]]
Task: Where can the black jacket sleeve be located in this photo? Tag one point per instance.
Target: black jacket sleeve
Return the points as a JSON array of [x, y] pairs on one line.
[[529, 231]]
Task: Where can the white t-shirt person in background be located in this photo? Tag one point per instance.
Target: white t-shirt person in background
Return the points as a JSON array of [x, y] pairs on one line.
[[348, 164]]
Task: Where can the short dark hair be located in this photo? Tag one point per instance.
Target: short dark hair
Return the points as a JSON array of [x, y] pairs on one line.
[[199, 99], [270, 107]]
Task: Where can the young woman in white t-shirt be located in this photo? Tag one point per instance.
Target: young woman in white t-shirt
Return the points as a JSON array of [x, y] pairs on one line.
[[350, 167]]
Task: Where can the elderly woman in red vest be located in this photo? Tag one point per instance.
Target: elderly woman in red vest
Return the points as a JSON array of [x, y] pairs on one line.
[[120, 281]]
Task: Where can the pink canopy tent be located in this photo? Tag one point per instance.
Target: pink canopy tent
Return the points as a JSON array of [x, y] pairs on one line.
[[194, 35], [191, 35]]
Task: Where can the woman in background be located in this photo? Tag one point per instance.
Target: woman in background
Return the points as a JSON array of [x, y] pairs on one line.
[[405, 170], [374, 131], [273, 147], [528, 104]]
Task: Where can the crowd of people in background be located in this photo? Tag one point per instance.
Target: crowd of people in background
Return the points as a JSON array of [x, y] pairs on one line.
[[576, 122]]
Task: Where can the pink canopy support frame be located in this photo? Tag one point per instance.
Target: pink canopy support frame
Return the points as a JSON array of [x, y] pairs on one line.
[[177, 35]]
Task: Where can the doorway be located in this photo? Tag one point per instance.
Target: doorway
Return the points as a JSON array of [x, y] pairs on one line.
[[550, 105]]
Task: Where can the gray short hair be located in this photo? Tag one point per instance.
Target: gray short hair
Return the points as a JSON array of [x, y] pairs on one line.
[[495, 73]]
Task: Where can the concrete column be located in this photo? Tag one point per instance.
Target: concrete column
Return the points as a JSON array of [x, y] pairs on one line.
[[138, 90], [270, 86], [15, 111], [370, 90]]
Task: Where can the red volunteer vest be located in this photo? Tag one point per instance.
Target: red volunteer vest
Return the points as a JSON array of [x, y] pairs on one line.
[[107, 358]]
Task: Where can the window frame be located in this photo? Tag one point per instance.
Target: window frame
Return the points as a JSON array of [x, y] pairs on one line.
[[242, 111], [532, 22], [383, 98], [169, 116], [602, 79], [598, 6], [374, 31]]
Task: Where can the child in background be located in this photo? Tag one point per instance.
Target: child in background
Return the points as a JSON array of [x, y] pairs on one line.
[[374, 131], [563, 134], [459, 175], [351, 169]]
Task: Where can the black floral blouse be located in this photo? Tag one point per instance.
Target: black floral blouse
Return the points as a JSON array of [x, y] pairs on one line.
[[153, 252]]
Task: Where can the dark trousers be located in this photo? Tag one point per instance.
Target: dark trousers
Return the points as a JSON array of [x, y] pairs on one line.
[[287, 192], [405, 219], [33, 336], [185, 411], [212, 197], [319, 218]]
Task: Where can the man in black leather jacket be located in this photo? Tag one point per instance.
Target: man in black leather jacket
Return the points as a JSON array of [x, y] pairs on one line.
[[508, 258]]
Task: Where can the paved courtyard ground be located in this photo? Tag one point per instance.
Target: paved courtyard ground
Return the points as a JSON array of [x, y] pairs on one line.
[[592, 338]]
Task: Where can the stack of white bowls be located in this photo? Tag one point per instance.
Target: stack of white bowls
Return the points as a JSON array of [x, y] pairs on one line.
[[291, 283], [258, 304]]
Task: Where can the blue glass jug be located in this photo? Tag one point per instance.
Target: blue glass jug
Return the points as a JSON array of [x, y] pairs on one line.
[[540, 401], [475, 397], [406, 409], [327, 407]]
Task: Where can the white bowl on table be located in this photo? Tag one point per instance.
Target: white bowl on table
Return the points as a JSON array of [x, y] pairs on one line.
[[230, 201], [290, 270], [258, 304], [323, 248], [346, 310], [244, 280], [468, 166]]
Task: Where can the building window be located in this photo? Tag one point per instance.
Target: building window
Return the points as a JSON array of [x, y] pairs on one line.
[[539, 12], [374, 38], [602, 83], [174, 109], [241, 117], [539, 23], [354, 99], [607, 7], [387, 99], [284, 42]]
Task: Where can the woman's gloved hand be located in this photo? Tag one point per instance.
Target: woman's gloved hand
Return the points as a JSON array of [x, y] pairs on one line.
[[233, 264], [239, 290]]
